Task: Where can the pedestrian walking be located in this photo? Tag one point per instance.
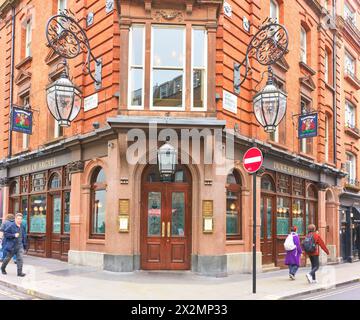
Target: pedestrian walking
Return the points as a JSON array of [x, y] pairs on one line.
[[15, 235], [9, 219], [293, 252], [311, 247]]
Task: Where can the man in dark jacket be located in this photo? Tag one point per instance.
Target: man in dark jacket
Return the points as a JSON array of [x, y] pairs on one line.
[[9, 219], [314, 256], [15, 235]]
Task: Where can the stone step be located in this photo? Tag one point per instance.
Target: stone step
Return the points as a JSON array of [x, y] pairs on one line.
[[269, 267]]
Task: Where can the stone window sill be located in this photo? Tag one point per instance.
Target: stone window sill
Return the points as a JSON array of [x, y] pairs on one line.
[[96, 241], [234, 242], [278, 145], [354, 132], [307, 156], [307, 68], [23, 62]]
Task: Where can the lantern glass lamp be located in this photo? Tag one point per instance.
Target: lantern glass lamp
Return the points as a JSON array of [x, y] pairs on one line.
[[64, 99], [167, 160], [270, 105]]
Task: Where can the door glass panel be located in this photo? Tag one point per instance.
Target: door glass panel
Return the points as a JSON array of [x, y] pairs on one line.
[[56, 214], [24, 211], [283, 216], [67, 212], [178, 214], [298, 215], [262, 218], [269, 218], [38, 214], [154, 213]]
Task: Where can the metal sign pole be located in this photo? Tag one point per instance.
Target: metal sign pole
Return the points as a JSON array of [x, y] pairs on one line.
[[254, 233]]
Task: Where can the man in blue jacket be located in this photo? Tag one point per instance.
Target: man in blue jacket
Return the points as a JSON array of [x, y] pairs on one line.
[[15, 235]]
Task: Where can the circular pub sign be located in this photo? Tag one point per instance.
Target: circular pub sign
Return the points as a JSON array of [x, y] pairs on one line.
[[253, 160]]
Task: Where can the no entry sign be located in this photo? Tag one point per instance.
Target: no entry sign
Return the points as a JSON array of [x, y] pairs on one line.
[[253, 160]]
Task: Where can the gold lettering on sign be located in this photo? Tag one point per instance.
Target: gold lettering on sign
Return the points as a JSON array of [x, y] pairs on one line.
[[208, 208], [124, 207], [38, 166], [293, 171]]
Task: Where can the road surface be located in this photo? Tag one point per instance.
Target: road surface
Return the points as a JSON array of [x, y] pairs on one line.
[[345, 292]]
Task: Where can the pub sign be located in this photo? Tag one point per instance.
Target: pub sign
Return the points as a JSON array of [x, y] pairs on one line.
[[308, 126], [21, 120]]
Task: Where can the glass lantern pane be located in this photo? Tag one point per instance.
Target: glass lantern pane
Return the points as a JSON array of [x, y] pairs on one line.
[[258, 112]]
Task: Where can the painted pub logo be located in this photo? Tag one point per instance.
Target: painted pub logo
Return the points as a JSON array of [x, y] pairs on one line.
[[308, 126], [21, 120]]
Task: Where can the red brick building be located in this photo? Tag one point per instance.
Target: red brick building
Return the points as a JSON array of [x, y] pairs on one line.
[[168, 71]]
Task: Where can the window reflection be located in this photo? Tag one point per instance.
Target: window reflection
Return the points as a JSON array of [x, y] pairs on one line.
[[168, 67]]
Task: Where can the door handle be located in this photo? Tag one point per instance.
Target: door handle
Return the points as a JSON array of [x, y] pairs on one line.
[[168, 230], [163, 229]]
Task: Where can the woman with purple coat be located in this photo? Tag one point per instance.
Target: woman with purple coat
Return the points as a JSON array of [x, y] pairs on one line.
[[292, 258]]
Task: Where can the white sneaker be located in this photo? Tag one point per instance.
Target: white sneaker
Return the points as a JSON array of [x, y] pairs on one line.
[[309, 278], [292, 277], [314, 281]]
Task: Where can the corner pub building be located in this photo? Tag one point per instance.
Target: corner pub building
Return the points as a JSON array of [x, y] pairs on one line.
[[84, 201]]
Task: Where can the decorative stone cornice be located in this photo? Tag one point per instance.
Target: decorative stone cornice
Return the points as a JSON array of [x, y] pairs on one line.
[[4, 182], [322, 186], [76, 167]]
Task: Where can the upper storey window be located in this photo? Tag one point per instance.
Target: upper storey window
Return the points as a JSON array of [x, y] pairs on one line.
[[274, 10], [199, 76], [136, 62], [62, 5], [176, 76], [349, 14], [303, 45], [168, 68], [28, 39], [349, 64]]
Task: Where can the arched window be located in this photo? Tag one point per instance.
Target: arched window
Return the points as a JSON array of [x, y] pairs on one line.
[[267, 184], [55, 181], [233, 206], [98, 203]]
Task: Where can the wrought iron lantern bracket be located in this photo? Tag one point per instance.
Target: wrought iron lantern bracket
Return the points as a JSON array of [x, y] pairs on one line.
[[68, 39], [267, 46]]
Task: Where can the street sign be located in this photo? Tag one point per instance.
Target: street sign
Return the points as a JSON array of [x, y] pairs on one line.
[[253, 160]]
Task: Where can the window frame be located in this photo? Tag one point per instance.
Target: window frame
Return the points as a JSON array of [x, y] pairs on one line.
[[193, 68], [235, 188], [277, 6], [349, 9], [327, 136], [326, 66], [96, 187], [133, 66], [59, 3], [348, 56], [303, 46], [28, 38], [352, 177], [349, 106], [167, 108]]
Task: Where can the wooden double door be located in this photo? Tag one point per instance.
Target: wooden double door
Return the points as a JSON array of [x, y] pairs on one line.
[[166, 226]]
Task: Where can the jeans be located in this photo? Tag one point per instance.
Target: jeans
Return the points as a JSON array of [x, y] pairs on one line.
[[4, 254], [293, 268], [19, 251], [315, 264]]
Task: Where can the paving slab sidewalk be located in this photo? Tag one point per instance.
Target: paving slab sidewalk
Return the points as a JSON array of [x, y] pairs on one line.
[[52, 279]]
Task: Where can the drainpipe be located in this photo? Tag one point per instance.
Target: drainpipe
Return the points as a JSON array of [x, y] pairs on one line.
[[12, 76], [334, 82]]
